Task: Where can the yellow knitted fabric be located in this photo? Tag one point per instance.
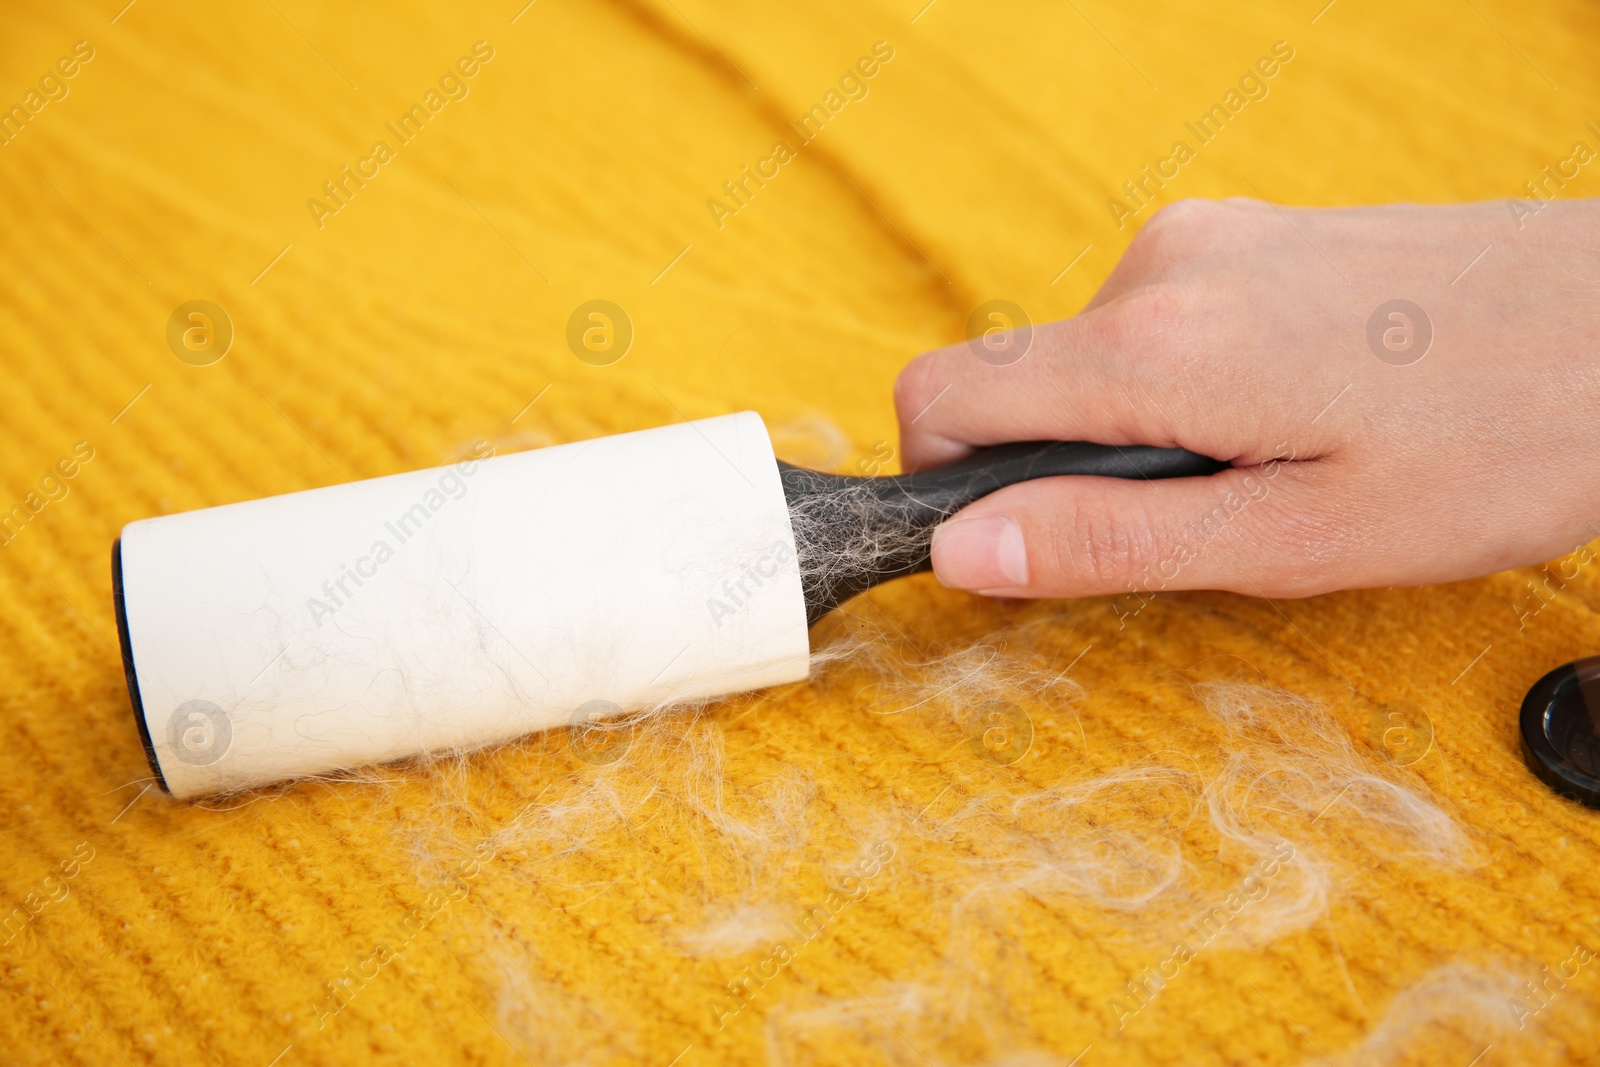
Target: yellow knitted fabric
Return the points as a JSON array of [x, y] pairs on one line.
[[840, 871]]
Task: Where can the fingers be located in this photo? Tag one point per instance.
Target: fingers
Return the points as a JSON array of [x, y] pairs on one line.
[[1110, 375], [1248, 530], [1188, 325]]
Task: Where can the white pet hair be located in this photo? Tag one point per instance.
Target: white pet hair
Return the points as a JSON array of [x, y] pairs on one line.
[[1059, 841], [1288, 775], [878, 1024], [1452, 1014], [1330, 777], [731, 930], [1292, 773], [898, 1023], [666, 768], [810, 440], [1149, 843], [543, 1021], [848, 539], [1456, 1004]]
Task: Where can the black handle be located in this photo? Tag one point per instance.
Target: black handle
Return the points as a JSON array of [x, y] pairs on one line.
[[853, 533]]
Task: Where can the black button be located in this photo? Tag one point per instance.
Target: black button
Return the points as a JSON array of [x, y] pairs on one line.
[[1561, 730]]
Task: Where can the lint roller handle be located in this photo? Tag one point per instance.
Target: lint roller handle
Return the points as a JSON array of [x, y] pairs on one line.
[[903, 510]]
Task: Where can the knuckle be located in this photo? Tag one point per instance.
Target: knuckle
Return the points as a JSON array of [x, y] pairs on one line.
[[1141, 323], [1186, 210], [1186, 220], [1177, 233], [1098, 549], [1187, 227], [917, 384], [1305, 547]]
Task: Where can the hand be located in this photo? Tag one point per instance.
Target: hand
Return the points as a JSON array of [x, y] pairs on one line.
[[1240, 330]]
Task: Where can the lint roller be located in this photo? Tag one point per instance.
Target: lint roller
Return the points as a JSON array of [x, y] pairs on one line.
[[448, 609]]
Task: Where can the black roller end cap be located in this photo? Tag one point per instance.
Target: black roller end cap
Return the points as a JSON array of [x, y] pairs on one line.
[[128, 670]]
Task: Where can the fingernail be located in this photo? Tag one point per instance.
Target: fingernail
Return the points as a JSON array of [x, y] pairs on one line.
[[981, 554]]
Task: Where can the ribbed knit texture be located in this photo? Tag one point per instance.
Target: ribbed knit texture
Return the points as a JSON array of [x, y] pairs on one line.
[[431, 309]]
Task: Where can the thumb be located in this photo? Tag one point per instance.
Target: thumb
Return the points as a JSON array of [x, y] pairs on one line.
[[1073, 537]]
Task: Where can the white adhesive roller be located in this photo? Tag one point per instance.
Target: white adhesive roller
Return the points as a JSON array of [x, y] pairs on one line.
[[453, 608]]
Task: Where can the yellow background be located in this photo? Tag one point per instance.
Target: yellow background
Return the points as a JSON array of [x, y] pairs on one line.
[[432, 309]]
